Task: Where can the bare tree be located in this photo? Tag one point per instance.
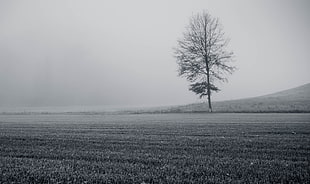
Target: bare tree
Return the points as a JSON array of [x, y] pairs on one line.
[[202, 56]]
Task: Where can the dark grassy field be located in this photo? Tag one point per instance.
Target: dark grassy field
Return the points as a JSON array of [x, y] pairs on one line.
[[155, 148]]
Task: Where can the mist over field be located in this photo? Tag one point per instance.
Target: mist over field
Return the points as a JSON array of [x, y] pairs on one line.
[[119, 53]]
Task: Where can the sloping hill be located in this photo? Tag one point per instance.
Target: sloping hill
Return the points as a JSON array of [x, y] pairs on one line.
[[292, 100]]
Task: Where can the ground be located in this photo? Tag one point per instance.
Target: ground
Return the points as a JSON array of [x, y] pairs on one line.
[[155, 148]]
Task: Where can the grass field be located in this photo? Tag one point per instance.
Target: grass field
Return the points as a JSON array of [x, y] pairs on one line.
[[155, 148]]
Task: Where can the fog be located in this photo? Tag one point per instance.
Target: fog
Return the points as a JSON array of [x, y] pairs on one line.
[[62, 53]]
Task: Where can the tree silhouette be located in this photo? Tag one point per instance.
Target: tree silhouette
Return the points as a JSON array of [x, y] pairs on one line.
[[202, 57]]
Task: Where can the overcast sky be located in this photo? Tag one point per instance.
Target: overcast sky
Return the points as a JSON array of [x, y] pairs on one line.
[[113, 52]]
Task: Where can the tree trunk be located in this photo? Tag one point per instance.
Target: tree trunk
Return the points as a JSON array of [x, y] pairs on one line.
[[207, 64], [209, 91], [208, 86]]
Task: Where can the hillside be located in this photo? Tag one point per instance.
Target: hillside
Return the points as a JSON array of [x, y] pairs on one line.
[[292, 100]]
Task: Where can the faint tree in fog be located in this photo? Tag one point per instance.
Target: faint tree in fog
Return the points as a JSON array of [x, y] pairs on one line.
[[202, 57]]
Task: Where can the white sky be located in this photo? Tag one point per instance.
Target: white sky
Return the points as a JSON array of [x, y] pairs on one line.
[[121, 52]]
